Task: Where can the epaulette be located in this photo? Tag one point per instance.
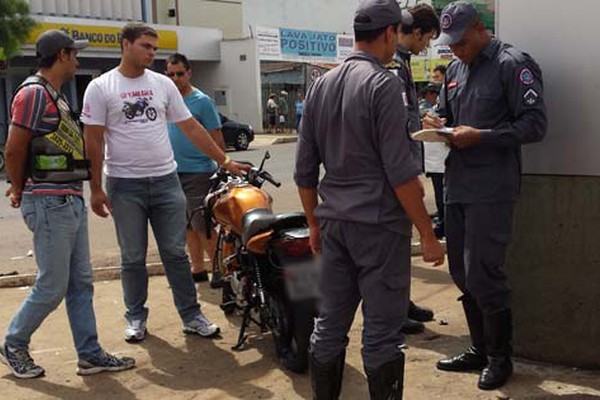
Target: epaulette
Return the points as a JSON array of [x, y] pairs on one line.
[[392, 65]]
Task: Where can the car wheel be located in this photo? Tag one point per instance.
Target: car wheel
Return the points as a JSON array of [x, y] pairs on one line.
[[242, 141]]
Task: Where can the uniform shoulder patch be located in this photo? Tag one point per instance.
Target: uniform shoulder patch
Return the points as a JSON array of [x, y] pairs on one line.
[[446, 21], [531, 97], [526, 76], [405, 99]]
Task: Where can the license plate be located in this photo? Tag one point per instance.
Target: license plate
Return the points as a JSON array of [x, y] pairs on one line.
[[302, 280]]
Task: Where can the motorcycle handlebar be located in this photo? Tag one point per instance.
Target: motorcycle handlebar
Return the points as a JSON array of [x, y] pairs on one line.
[[269, 178]]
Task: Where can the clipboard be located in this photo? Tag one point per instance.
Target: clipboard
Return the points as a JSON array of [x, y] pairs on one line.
[[433, 135]]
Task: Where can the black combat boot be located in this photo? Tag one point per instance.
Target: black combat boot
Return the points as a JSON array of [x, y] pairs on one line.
[[387, 382], [412, 327], [418, 313], [326, 379], [498, 335], [474, 358]]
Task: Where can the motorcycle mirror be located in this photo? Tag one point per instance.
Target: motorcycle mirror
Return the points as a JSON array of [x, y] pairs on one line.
[[265, 158]]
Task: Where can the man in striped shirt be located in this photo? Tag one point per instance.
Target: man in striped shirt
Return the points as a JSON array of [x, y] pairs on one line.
[[46, 164]]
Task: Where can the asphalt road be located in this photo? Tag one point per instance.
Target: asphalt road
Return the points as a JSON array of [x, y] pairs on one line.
[[15, 239]]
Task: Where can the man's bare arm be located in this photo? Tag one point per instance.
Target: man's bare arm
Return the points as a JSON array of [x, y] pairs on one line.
[[217, 136], [94, 149], [16, 154], [410, 195], [309, 199], [198, 135]]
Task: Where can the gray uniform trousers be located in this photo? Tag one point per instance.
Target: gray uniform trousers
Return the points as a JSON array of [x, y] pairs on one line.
[[362, 262], [477, 236]]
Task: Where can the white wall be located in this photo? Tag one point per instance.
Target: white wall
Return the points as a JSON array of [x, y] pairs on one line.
[[315, 15], [224, 15], [558, 38], [240, 79]]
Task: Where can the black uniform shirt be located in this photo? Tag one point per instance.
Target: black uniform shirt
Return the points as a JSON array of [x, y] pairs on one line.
[[501, 93], [401, 67], [354, 123]]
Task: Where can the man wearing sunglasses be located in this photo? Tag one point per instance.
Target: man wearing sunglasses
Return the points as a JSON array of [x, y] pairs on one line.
[[194, 167]]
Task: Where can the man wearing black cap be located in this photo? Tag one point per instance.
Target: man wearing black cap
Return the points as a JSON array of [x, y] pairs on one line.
[[46, 164], [354, 123], [419, 26], [434, 157], [493, 97]]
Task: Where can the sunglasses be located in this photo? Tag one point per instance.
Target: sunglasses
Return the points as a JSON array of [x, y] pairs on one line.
[[178, 73]]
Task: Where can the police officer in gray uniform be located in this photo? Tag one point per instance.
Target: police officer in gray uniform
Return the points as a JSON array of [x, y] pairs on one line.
[[354, 125], [493, 96], [421, 24]]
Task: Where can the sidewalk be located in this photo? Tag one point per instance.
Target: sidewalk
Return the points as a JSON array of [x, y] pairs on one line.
[[172, 365], [267, 139]]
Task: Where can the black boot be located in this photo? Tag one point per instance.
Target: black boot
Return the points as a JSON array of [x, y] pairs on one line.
[[326, 379], [474, 358], [418, 313], [412, 327], [387, 382], [498, 335]]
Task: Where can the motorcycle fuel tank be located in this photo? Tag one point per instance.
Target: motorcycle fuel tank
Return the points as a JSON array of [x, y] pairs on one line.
[[230, 208]]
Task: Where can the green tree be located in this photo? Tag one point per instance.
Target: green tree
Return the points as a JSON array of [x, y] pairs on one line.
[[15, 26]]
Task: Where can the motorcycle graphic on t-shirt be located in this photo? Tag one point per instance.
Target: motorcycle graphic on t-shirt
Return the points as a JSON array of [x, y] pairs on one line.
[[139, 108]]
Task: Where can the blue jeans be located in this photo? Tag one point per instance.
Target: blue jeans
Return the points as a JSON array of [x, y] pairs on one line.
[[160, 200], [60, 240]]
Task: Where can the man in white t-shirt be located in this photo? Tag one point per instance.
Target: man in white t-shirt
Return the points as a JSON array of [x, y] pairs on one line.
[[127, 110]]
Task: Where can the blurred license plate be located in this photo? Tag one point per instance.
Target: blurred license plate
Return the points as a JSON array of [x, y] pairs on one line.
[[302, 280]]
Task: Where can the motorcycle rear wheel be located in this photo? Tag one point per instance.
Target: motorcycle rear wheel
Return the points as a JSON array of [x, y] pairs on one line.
[[291, 327]]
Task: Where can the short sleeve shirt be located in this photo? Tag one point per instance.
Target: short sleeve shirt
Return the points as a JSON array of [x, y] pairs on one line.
[[354, 124], [33, 109], [189, 158], [135, 113]]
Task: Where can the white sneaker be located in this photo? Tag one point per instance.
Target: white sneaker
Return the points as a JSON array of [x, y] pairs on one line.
[[135, 331], [200, 325]]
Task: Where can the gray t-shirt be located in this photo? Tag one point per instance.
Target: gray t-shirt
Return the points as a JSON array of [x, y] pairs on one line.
[[354, 124]]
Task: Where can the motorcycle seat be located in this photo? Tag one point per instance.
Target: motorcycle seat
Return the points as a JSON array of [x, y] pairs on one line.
[[261, 220]]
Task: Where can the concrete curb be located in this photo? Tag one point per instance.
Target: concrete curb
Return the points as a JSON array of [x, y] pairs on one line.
[[100, 274], [281, 140], [111, 273]]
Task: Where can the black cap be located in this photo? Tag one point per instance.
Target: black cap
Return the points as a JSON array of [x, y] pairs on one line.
[[375, 14], [456, 18], [432, 87], [51, 42]]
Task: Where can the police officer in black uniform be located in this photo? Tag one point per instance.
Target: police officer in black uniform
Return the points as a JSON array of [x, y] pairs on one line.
[[354, 125], [493, 96], [420, 26]]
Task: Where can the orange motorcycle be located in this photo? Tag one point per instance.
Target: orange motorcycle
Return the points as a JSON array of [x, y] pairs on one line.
[[268, 270]]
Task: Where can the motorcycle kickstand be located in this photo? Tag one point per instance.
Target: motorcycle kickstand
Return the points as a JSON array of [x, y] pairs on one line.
[[242, 337]]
